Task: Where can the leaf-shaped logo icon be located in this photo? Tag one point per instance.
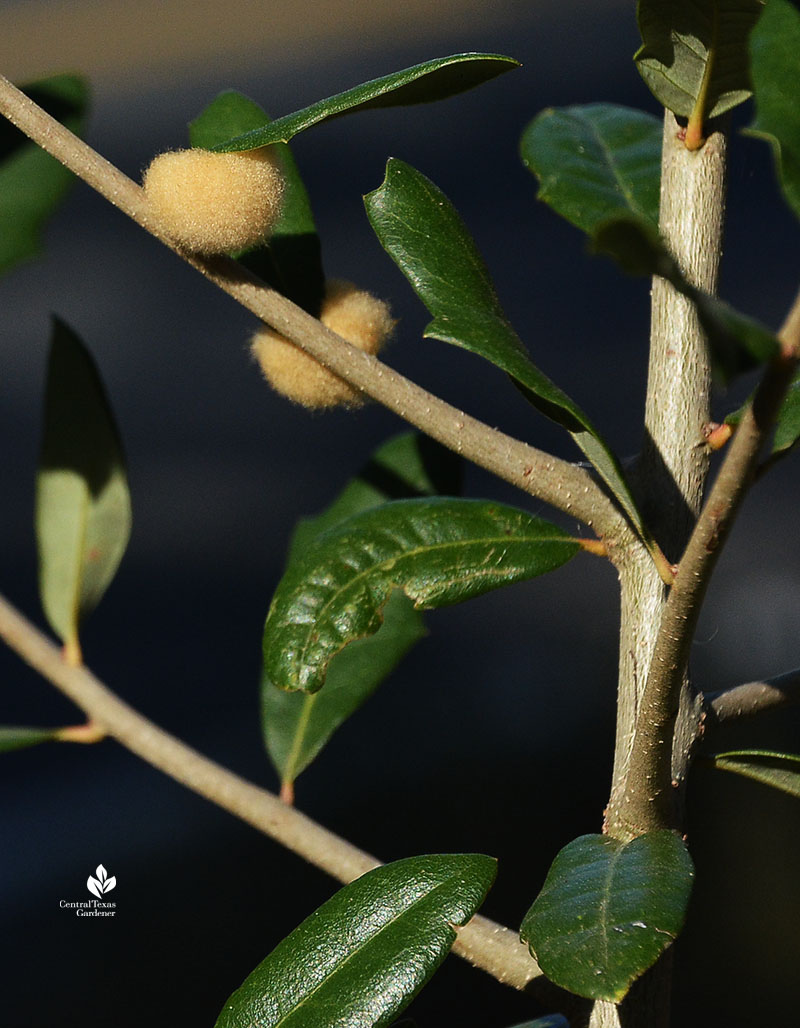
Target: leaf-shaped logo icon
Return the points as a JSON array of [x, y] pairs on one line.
[[102, 883]]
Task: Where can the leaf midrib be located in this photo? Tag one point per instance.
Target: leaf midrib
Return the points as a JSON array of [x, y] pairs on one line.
[[359, 949]]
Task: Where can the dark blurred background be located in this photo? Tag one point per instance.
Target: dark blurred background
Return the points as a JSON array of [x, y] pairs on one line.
[[496, 734]]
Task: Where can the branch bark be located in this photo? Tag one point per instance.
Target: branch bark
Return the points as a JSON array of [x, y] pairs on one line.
[[565, 486], [485, 944], [753, 698]]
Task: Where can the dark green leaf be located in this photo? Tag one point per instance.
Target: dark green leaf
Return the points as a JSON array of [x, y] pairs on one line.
[[423, 83], [361, 957], [83, 513], [13, 737], [594, 161], [607, 911], [779, 770], [422, 232], [298, 725], [696, 50], [774, 46], [438, 551], [292, 260], [738, 343], [32, 183]]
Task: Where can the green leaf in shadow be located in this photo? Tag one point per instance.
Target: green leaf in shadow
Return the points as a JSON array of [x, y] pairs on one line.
[[595, 160], [362, 956], [607, 911], [14, 737], [738, 343], [83, 512], [291, 261], [439, 551], [779, 770], [694, 53], [774, 46], [422, 83], [32, 183], [297, 725], [423, 233]]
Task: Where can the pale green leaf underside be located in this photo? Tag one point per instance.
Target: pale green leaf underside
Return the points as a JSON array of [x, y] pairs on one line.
[[422, 83], [361, 957], [423, 233], [438, 551], [595, 160], [778, 770], [15, 737], [696, 47], [774, 49], [607, 911], [298, 725], [83, 512]]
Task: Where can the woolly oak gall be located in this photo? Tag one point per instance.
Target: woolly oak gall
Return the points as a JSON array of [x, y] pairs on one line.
[[357, 316], [215, 202]]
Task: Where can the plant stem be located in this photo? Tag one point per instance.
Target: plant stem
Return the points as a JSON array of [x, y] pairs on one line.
[[563, 485], [485, 944], [670, 480], [753, 698]]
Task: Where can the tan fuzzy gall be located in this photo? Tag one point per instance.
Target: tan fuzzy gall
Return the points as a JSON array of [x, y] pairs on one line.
[[358, 317], [215, 202]]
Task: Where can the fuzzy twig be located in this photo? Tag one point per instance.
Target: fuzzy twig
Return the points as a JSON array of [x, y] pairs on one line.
[[485, 944]]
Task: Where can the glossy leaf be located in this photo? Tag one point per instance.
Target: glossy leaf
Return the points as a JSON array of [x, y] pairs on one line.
[[608, 910], [738, 343], [361, 957], [13, 737], [778, 770], [422, 232], [438, 551], [297, 725], [422, 83], [696, 50], [83, 513], [32, 183], [594, 161], [292, 260], [774, 46]]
